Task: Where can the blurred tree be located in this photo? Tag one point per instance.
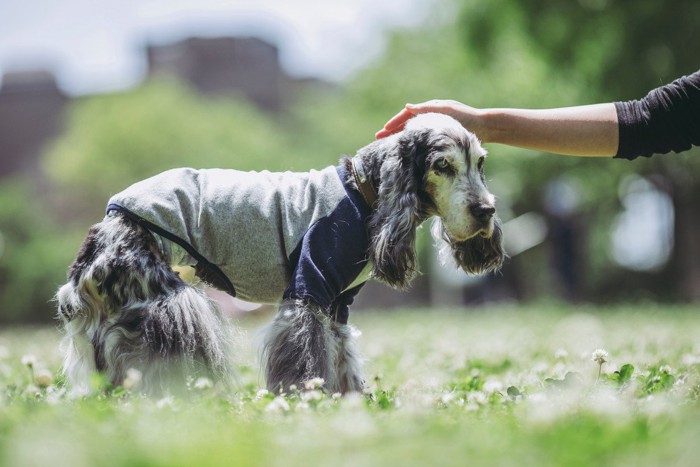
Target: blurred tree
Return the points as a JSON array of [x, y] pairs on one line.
[[498, 53], [115, 140], [34, 254], [624, 49]]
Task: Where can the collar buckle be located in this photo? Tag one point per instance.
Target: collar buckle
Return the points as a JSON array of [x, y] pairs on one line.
[[363, 183]]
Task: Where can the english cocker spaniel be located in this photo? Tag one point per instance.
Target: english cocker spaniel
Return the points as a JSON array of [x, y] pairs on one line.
[[308, 241]]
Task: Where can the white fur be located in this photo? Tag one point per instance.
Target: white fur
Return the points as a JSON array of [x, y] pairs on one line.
[[433, 121]]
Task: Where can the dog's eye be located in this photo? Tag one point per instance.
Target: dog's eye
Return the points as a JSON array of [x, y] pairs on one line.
[[441, 164]]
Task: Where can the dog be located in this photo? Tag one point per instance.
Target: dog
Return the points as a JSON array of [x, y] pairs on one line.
[[307, 241]]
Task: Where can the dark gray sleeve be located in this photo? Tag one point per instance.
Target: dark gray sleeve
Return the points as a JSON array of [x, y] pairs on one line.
[[667, 119]]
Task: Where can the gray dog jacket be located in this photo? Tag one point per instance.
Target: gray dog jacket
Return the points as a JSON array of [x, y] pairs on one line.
[[261, 236]]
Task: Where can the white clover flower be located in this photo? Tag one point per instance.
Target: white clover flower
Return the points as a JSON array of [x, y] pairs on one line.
[[680, 382], [492, 385], [293, 388], [336, 395], [166, 402], [278, 404], [261, 393], [561, 354], [133, 378], [540, 367], [313, 383], [600, 356], [477, 397], [203, 384], [55, 396], [690, 359], [475, 400], [311, 395], [302, 406], [665, 369], [537, 398], [353, 401], [447, 398], [29, 361], [43, 378]]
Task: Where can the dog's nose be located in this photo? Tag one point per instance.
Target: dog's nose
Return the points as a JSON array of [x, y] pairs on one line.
[[482, 211]]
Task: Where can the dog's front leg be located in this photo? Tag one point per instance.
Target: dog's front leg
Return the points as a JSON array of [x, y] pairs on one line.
[[299, 345]]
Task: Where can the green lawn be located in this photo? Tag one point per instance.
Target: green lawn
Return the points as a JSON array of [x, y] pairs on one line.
[[493, 387]]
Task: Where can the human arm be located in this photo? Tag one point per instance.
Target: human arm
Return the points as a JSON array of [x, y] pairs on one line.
[[666, 119], [590, 130]]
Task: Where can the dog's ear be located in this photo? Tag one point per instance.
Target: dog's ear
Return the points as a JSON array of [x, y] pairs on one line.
[[477, 255], [393, 226]]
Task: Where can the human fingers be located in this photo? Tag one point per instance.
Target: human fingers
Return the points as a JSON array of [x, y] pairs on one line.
[[395, 124], [383, 133], [445, 106]]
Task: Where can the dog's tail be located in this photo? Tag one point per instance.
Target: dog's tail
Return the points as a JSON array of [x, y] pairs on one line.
[[125, 309]]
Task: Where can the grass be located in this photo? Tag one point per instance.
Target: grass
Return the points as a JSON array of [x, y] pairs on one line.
[[497, 386]]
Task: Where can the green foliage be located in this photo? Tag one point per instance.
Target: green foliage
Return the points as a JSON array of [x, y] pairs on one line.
[[657, 379], [34, 254], [502, 53], [623, 375]]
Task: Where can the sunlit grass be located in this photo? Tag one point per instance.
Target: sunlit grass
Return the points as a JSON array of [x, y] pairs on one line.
[[495, 386]]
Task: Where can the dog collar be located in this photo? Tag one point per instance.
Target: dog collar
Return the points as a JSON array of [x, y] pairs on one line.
[[363, 183]]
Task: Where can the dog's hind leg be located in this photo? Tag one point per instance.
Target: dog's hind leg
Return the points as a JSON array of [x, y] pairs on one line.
[[123, 308], [79, 355], [172, 337], [81, 309]]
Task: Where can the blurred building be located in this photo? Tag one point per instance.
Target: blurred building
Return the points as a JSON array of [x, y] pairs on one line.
[[220, 66], [32, 105]]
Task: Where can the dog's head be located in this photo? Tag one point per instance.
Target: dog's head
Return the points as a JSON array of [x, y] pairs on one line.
[[434, 167]]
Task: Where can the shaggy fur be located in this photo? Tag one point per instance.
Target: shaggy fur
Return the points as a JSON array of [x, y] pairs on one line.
[[304, 343], [124, 307]]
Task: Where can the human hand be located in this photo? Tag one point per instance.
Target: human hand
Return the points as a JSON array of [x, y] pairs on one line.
[[464, 114]]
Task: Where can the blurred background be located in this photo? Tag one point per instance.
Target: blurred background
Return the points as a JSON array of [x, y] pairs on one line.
[[97, 95]]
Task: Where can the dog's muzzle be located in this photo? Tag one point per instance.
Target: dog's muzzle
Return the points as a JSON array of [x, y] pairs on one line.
[[483, 214]]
